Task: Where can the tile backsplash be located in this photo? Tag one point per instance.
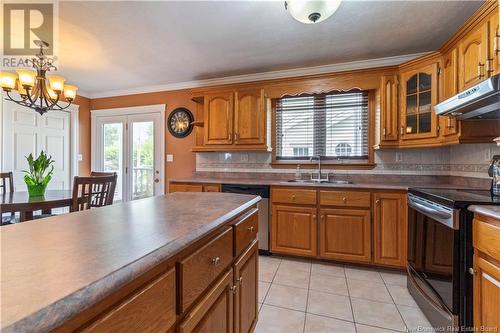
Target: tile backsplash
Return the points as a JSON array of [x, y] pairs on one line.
[[470, 160]]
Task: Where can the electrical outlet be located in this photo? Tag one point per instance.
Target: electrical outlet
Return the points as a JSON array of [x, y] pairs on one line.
[[399, 156], [170, 157]]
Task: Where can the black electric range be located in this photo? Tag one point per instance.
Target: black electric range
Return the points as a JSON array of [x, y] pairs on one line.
[[440, 253]]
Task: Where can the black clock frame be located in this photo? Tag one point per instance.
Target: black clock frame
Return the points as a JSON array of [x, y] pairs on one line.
[[188, 130]]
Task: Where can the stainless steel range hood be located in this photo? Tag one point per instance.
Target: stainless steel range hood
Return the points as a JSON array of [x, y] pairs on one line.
[[482, 101]]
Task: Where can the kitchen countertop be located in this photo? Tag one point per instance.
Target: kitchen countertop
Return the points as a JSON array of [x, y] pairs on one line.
[[490, 211], [403, 186], [54, 268]]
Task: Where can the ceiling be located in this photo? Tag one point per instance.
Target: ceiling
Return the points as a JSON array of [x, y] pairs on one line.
[[109, 47]]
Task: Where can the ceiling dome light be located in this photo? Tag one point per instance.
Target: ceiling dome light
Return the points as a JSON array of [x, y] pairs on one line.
[[312, 11]]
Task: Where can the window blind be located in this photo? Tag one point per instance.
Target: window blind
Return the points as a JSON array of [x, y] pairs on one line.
[[333, 125]]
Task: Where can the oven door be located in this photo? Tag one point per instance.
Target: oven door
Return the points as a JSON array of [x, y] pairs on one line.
[[433, 251]]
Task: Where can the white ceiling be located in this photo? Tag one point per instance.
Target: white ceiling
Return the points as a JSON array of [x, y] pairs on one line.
[[106, 47]]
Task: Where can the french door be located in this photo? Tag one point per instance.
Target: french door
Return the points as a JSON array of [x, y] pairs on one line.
[[131, 146]]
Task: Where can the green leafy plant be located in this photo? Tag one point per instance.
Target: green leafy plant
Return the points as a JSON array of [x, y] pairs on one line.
[[39, 173]]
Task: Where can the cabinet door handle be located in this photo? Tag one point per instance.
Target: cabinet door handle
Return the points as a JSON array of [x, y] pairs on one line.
[[480, 70], [377, 202], [216, 261], [233, 289], [449, 123], [240, 280], [402, 130], [322, 217], [495, 42], [251, 229], [384, 132], [344, 199], [489, 65]]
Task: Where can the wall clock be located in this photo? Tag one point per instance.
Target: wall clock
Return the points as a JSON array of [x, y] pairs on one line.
[[180, 122]]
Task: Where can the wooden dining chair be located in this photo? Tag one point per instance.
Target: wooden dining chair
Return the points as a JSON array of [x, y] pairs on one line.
[[93, 191], [101, 173], [7, 186]]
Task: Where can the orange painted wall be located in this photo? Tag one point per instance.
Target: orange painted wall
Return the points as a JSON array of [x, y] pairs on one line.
[[84, 132], [184, 160]]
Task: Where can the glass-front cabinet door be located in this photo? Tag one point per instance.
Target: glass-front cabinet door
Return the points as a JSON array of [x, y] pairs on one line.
[[419, 88]]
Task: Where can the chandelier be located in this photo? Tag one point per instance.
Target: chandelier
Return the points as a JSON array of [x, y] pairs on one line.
[[37, 90], [312, 11]]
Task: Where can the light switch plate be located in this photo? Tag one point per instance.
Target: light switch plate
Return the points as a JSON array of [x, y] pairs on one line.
[[170, 157], [80, 157]]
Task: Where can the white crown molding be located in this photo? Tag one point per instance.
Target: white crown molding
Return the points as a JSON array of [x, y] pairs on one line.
[[346, 66]]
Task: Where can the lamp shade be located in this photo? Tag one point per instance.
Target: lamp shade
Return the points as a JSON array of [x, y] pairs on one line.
[[70, 92], [52, 94], [8, 80], [312, 11], [27, 77], [56, 83]]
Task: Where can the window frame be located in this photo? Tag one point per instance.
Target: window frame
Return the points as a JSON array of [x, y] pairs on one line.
[[330, 162]]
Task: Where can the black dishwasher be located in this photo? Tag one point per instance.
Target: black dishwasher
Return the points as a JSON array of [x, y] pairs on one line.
[[263, 206]]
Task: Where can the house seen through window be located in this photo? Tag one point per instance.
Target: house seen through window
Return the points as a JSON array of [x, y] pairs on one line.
[[333, 125]]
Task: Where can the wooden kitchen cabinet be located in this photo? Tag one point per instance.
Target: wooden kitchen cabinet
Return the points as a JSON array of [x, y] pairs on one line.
[[389, 228], [472, 56], [493, 44], [389, 120], [193, 187], [449, 88], [218, 118], [419, 95], [345, 234], [233, 120], [246, 297], [249, 117], [294, 230], [215, 312], [486, 240]]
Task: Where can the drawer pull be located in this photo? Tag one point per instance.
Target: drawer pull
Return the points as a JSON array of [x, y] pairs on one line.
[[251, 229], [216, 261], [344, 199], [293, 196], [240, 280], [233, 289]]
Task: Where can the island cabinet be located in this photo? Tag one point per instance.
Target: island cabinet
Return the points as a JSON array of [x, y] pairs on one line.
[[389, 228], [345, 226], [210, 286], [486, 240], [294, 221], [419, 95], [233, 120]]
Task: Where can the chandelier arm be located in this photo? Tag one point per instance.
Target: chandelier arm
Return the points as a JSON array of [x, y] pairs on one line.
[[23, 99]]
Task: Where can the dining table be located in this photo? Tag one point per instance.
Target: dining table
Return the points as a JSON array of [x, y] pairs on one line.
[[22, 203]]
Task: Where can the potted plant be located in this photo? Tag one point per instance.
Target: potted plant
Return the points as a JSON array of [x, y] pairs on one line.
[[38, 175]]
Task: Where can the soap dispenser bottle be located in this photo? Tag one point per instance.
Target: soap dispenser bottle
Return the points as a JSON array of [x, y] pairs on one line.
[[298, 174]]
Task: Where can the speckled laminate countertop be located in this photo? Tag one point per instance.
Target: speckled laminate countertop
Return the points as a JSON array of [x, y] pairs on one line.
[[403, 186], [490, 211], [53, 268]]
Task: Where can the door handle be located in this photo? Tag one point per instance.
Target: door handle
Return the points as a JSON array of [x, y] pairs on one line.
[[157, 180]]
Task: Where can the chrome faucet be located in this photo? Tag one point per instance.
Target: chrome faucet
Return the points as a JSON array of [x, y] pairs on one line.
[[320, 178]]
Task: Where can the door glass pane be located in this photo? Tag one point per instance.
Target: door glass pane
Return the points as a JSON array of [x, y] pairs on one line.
[[424, 123], [113, 153], [424, 102], [424, 82], [411, 104], [411, 85], [142, 160]]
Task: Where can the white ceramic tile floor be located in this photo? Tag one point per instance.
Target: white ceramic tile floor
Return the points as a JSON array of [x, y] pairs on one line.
[[317, 297]]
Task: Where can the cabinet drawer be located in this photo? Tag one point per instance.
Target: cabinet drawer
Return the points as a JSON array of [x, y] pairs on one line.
[[200, 269], [245, 231], [185, 188], [344, 198], [486, 237], [294, 196], [152, 309]]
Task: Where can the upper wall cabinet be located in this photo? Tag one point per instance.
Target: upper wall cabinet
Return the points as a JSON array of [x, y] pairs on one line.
[[494, 44], [249, 117], [419, 94], [389, 109], [473, 57], [233, 120], [449, 88], [219, 119]]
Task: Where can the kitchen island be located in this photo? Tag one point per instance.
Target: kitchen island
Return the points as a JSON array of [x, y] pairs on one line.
[[150, 265]]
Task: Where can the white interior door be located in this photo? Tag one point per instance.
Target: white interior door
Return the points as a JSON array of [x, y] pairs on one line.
[[24, 131], [130, 145]]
